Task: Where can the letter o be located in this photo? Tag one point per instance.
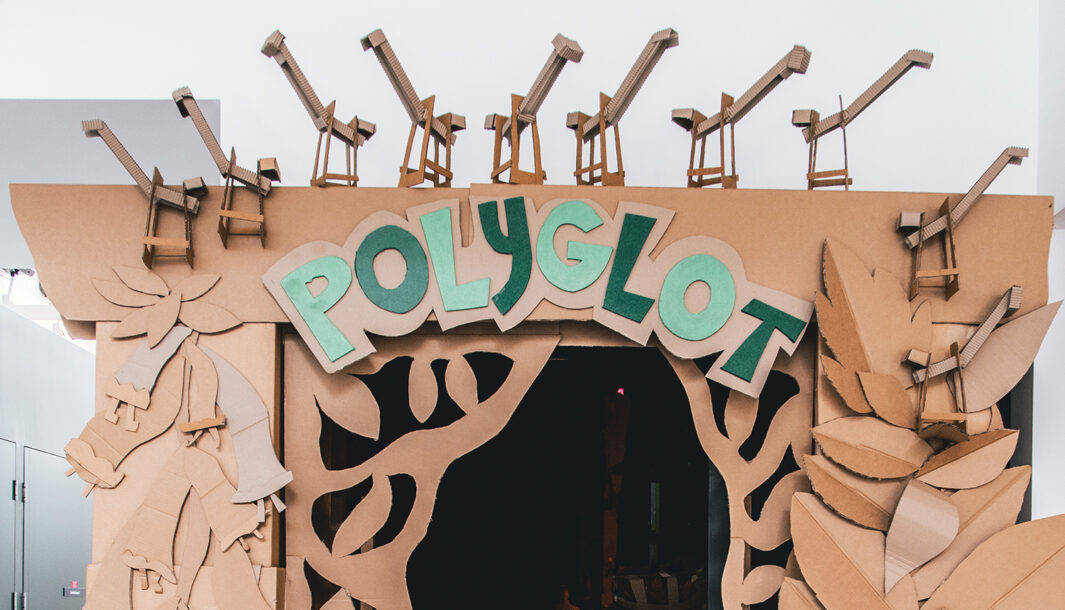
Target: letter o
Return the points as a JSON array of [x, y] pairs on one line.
[[411, 290], [697, 325]]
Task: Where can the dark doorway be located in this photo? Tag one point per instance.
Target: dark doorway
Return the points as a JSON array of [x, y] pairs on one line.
[[521, 522]]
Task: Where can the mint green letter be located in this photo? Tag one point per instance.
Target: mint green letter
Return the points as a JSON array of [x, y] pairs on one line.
[[471, 295], [312, 308], [591, 258], [696, 326]]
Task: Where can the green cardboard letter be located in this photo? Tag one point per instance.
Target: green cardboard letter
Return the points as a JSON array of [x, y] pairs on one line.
[[696, 326], [312, 308], [515, 243], [745, 360], [634, 231], [411, 290], [591, 258], [471, 295]]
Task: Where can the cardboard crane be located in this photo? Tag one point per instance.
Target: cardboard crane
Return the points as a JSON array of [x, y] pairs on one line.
[[523, 113], [440, 129], [266, 171], [186, 201], [352, 134], [814, 126], [611, 109], [732, 110]]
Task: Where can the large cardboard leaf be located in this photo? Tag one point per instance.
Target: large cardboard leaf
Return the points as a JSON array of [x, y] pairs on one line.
[[846, 383], [1019, 567], [142, 280], [867, 502], [871, 447], [925, 522], [888, 398], [970, 463]]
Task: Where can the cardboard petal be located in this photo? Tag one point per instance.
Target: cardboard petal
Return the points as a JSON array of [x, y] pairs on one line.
[[461, 383], [134, 324], [142, 280], [871, 447], [197, 539], [842, 563], [761, 583], [1005, 357], [867, 502], [206, 318], [970, 463], [421, 388], [195, 286], [233, 581], [846, 383], [889, 399], [348, 402], [119, 294], [982, 512], [924, 524], [797, 595], [161, 318], [1019, 567], [366, 519]]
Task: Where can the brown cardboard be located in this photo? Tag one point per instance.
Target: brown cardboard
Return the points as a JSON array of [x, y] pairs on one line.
[[142, 280], [162, 317], [970, 463], [924, 524], [108, 586], [368, 517], [1019, 567], [151, 543], [271, 583], [982, 512], [234, 583], [889, 399], [228, 521], [846, 383], [297, 591], [761, 583], [867, 502], [872, 448], [797, 595], [199, 538], [203, 389]]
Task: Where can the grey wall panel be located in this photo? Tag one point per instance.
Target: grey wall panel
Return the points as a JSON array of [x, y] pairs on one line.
[[8, 550]]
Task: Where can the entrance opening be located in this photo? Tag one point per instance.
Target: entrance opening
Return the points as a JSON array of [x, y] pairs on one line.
[[596, 486]]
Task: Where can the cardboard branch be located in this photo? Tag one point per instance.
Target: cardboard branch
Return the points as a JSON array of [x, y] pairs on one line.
[[151, 543]]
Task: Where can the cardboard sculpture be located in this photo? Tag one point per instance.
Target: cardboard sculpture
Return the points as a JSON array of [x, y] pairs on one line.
[[523, 111], [611, 108], [814, 126], [732, 110], [352, 134], [441, 129]]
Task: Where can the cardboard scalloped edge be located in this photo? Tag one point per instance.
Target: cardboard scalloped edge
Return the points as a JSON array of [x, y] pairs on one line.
[[93, 470], [970, 463]]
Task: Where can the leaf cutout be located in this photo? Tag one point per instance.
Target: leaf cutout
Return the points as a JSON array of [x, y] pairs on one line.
[[206, 318], [348, 402], [924, 524], [195, 286], [741, 411], [203, 391], [970, 463], [1005, 357], [797, 595], [904, 595], [134, 324], [842, 563], [761, 583], [161, 318], [867, 502], [461, 383], [421, 389], [889, 399], [119, 294], [982, 512], [1019, 567], [865, 318], [142, 280], [871, 447], [845, 381], [366, 519]]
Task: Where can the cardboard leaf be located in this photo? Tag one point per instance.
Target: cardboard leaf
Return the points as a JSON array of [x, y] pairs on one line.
[[846, 383], [1019, 567], [970, 463], [421, 389], [982, 512], [741, 411], [206, 318], [461, 383], [871, 447], [142, 280], [1005, 357], [203, 389], [924, 524], [842, 563], [119, 294], [134, 324], [234, 583], [195, 286], [366, 519], [348, 402], [197, 540], [797, 595], [867, 502], [889, 399], [161, 318], [761, 583]]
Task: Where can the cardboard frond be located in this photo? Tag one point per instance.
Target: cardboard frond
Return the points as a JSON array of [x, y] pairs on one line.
[[925, 523], [871, 447], [195, 286], [162, 317], [348, 402], [867, 502], [206, 318], [142, 280], [847, 385], [970, 463], [461, 383], [134, 324], [889, 399], [119, 294], [365, 519]]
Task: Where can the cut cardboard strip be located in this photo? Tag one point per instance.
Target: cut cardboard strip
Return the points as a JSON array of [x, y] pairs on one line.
[[461, 383], [141, 280], [233, 581], [348, 402], [143, 367], [120, 294], [871, 447], [421, 389], [1005, 357], [203, 424], [162, 317], [1030, 576], [197, 540], [365, 520], [151, 544], [847, 385], [297, 591], [982, 512], [797, 595], [228, 521], [889, 399], [195, 286], [842, 563], [970, 463], [203, 389], [867, 502], [924, 524], [260, 472], [206, 318]]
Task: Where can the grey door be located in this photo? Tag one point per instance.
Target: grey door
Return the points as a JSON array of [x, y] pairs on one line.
[[8, 499], [57, 531]]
